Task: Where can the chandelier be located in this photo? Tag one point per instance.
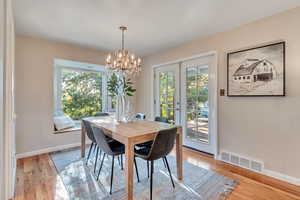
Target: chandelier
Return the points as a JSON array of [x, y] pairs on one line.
[[122, 60]]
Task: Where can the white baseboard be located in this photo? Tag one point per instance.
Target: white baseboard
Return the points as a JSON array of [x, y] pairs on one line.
[[273, 174], [48, 150], [282, 177]]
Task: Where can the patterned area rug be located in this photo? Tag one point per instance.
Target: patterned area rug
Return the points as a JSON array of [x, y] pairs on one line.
[[80, 180]]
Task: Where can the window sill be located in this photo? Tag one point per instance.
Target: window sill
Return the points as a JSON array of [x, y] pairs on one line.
[[68, 130]]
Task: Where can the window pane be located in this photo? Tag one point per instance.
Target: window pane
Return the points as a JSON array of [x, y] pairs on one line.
[[81, 93], [197, 103], [167, 95]]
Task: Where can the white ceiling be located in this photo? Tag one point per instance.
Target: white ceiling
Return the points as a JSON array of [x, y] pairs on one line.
[[153, 24]]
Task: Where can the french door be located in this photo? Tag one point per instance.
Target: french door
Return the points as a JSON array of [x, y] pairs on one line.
[[166, 103], [198, 106], [185, 93]]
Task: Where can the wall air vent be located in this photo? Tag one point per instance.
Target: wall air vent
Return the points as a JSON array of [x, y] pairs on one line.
[[241, 161], [256, 166], [234, 159], [225, 156], [244, 162]]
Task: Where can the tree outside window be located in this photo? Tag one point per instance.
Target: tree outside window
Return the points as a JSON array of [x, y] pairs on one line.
[[81, 94]]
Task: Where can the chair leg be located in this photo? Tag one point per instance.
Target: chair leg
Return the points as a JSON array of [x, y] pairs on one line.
[[89, 154], [165, 158], [164, 162], [101, 166], [122, 162], [112, 174], [148, 168], [119, 161], [136, 169], [96, 159], [94, 149], [151, 178]]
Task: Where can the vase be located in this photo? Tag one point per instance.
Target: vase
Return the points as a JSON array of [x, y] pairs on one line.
[[123, 109], [119, 108]]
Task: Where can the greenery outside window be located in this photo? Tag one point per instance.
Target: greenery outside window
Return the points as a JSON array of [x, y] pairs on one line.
[[81, 93], [80, 89]]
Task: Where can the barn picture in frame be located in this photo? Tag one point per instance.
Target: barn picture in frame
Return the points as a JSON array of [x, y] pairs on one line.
[[258, 71]]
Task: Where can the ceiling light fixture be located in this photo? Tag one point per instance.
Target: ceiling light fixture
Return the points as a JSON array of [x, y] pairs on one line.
[[122, 60]]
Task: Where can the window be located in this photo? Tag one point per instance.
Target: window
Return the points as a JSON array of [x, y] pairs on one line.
[[248, 77], [81, 93], [80, 89]]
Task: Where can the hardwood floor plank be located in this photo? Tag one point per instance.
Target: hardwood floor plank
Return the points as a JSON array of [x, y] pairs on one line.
[[37, 179]]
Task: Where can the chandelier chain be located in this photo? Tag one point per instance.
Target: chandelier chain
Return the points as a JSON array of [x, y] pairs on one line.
[[123, 39]]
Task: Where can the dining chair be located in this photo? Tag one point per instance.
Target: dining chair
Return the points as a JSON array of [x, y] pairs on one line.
[[161, 147], [90, 134], [112, 148], [140, 116], [88, 126], [101, 114], [161, 119], [148, 144]]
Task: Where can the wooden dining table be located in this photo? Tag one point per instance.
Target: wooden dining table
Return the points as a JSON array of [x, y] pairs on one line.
[[132, 133]]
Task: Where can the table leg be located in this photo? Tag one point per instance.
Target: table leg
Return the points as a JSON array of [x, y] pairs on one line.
[[82, 141], [179, 153], [129, 156]]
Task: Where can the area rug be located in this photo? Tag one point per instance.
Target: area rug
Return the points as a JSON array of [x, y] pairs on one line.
[[80, 180]]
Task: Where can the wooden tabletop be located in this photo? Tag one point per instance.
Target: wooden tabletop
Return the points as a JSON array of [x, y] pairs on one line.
[[124, 131]]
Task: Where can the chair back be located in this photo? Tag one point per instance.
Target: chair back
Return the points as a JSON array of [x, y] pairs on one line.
[[101, 114], [161, 119], [89, 131], [140, 116], [163, 144], [101, 140]]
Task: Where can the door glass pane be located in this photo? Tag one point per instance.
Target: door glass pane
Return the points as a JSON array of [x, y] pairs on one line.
[[167, 95], [197, 103]]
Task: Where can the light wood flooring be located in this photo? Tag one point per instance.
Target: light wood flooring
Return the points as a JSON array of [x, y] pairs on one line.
[[37, 179]]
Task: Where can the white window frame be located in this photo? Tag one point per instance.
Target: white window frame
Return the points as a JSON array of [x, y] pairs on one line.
[[60, 64]]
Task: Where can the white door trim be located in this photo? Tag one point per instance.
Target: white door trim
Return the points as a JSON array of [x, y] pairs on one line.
[[215, 83], [9, 164], [202, 62], [175, 69]]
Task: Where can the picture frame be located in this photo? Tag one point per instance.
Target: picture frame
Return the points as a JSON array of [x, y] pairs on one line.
[[257, 71]]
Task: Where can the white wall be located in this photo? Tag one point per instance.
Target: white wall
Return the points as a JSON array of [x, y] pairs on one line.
[[34, 92], [263, 128], [1, 98]]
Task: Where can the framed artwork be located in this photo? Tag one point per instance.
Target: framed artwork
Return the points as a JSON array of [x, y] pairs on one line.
[[258, 71]]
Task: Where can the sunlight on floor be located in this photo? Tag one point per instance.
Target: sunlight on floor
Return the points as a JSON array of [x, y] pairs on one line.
[[198, 163], [60, 190]]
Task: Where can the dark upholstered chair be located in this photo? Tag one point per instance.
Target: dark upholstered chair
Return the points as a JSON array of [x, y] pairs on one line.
[[112, 148], [101, 114], [147, 144], [161, 119], [89, 131], [140, 116], [161, 147], [90, 134]]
